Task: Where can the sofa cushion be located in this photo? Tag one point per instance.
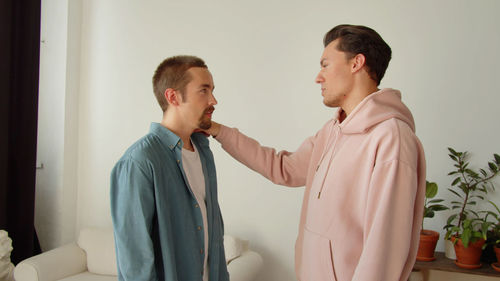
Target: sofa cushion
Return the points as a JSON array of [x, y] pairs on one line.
[[233, 247], [87, 276], [99, 245]]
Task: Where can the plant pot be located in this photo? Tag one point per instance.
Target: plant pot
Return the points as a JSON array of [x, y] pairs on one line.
[[449, 250], [496, 265], [427, 245], [468, 257], [497, 252]]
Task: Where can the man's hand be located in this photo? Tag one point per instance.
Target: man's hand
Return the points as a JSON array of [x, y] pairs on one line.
[[213, 130]]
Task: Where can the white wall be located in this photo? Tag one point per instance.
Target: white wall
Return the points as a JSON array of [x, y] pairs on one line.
[[56, 182], [264, 56]]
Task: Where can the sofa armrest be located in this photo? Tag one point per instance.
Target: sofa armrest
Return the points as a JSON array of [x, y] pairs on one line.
[[52, 265], [245, 267]]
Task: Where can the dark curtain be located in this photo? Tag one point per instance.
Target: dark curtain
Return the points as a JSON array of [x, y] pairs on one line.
[[19, 63]]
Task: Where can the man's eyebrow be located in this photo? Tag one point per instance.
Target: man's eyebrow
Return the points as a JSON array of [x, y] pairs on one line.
[[207, 86]]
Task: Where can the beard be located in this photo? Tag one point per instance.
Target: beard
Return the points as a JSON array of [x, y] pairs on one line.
[[205, 122]]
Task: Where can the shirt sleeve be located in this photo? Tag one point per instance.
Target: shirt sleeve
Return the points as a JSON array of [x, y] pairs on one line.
[[132, 210], [284, 168], [392, 214]]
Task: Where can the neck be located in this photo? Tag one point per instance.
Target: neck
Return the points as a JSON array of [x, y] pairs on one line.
[[357, 95], [174, 124]]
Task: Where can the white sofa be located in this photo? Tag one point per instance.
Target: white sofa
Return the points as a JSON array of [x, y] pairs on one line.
[[93, 258]]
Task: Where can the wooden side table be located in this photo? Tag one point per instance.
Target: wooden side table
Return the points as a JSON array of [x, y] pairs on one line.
[[442, 263]]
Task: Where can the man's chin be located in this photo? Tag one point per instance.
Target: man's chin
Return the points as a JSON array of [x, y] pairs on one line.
[[205, 125]]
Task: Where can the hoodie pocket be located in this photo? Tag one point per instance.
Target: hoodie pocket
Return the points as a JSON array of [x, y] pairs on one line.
[[316, 263], [331, 264]]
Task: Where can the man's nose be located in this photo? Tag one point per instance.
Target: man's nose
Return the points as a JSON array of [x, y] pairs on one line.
[[212, 100], [319, 78]]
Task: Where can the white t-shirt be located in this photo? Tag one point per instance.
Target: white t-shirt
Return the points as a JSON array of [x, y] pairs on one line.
[[192, 167]]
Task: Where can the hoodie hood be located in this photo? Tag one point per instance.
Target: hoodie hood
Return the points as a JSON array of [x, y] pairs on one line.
[[376, 108]]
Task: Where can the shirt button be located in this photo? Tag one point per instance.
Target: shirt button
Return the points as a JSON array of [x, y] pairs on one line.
[[196, 206], [201, 251], [171, 146], [199, 227], [178, 161]]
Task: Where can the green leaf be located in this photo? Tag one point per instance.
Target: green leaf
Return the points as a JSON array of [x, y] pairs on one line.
[[471, 203], [471, 173], [475, 214], [436, 200], [452, 173], [497, 158], [437, 208], [466, 235], [495, 205], [454, 192], [492, 214], [429, 214], [467, 223], [452, 151], [483, 172], [455, 181], [492, 166], [451, 218], [484, 228], [464, 187], [477, 196], [431, 189]]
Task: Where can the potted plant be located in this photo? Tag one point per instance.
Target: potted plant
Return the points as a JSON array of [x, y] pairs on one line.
[[493, 239], [466, 229], [429, 238]]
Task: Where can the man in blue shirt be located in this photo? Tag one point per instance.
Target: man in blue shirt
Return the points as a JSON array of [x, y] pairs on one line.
[[166, 217]]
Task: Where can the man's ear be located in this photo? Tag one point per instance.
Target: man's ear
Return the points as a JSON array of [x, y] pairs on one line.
[[172, 97], [358, 62]]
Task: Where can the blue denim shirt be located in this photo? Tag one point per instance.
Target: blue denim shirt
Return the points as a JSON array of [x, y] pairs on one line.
[[156, 216]]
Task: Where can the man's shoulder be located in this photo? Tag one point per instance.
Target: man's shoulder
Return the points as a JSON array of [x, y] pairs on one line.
[[396, 136], [394, 127], [144, 149]]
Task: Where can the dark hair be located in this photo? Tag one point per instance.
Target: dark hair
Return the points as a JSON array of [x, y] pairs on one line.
[[172, 73], [358, 39]]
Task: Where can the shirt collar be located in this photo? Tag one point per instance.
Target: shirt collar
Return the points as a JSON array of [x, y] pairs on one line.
[[167, 137]]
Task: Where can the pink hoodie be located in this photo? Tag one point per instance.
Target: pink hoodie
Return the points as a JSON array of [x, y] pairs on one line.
[[365, 187]]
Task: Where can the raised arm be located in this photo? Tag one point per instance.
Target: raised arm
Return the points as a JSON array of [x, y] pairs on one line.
[[284, 168]]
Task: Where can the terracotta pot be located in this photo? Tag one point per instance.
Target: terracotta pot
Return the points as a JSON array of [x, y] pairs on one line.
[[497, 252], [427, 245], [468, 257]]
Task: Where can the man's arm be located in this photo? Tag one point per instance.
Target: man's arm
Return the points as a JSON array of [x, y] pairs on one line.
[[285, 168], [392, 223], [132, 210]]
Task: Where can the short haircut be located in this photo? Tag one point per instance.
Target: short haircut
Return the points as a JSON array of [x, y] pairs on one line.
[[358, 39], [172, 73]]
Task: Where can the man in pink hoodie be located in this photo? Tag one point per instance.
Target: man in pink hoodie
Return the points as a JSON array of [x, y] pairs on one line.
[[364, 170]]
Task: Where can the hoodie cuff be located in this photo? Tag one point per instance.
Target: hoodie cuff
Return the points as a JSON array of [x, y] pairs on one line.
[[223, 133]]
